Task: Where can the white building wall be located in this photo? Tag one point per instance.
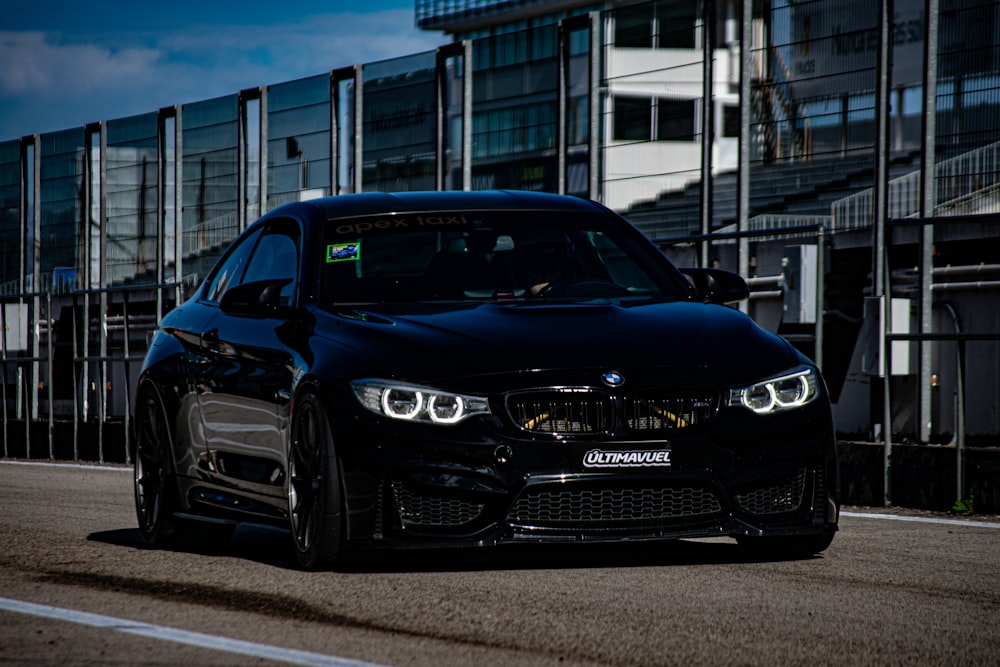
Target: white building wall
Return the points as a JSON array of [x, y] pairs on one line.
[[638, 171]]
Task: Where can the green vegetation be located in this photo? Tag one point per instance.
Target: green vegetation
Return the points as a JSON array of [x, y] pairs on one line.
[[964, 507]]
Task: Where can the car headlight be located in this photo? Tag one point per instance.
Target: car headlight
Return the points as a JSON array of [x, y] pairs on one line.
[[409, 402], [785, 392]]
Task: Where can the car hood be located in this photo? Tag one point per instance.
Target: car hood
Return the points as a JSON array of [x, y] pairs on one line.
[[427, 342]]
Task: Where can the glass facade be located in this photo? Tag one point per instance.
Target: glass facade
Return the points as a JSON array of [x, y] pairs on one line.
[[437, 14], [10, 216], [209, 185], [133, 243], [298, 139], [515, 95], [399, 130], [576, 45], [61, 255]]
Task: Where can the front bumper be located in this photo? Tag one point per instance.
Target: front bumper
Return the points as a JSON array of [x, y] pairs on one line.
[[404, 487]]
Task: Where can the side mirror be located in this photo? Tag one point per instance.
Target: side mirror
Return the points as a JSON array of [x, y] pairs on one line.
[[260, 298], [718, 286]]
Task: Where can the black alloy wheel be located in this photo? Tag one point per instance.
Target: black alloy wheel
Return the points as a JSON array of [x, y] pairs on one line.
[[155, 486], [314, 507]]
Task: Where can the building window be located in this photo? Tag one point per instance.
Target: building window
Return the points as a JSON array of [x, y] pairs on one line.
[[676, 24], [634, 27], [669, 24], [730, 121], [675, 120], [632, 117]]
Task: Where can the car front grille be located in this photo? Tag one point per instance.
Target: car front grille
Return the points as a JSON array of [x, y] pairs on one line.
[[611, 507], [657, 411], [582, 411], [562, 411], [422, 511], [778, 497]]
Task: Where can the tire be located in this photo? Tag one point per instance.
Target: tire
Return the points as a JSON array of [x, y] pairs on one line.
[[155, 485], [793, 547], [314, 501]]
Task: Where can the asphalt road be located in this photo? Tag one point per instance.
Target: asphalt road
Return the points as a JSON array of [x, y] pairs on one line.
[[888, 592]]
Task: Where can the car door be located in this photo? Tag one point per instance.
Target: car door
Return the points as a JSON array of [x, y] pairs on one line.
[[247, 376]]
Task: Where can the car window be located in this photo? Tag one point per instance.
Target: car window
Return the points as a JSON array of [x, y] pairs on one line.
[[498, 255], [229, 271], [276, 257]]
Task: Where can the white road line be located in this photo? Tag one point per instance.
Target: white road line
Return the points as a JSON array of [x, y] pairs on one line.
[[198, 639], [922, 519], [80, 466]]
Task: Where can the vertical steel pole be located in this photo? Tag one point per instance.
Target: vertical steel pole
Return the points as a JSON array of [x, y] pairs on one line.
[[262, 134], [160, 213], [89, 279], [927, 204], [241, 161], [467, 80], [440, 117], [562, 94], [743, 179], [36, 275], [594, 134], [707, 120], [880, 223], [359, 125], [335, 104], [820, 293], [48, 385], [76, 385], [178, 203], [103, 299], [960, 422], [126, 375]]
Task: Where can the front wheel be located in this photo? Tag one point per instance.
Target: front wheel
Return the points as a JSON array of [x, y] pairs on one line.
[[156, 497], [314, 507]]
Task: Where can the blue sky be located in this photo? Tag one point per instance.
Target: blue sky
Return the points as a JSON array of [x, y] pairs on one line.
[[65, 63]]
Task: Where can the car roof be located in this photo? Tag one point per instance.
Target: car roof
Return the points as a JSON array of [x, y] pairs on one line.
[[382, 203]]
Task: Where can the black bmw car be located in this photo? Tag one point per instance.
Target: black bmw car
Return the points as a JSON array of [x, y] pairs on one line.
[[469, 369]]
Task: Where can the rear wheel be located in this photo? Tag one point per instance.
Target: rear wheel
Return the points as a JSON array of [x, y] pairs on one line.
[[314, 506], [156, 497]]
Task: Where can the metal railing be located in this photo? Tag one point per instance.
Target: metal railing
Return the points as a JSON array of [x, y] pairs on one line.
[[24, 408], [779, 223], [961, 338], [957, 179], [214, 233], [105, 332]]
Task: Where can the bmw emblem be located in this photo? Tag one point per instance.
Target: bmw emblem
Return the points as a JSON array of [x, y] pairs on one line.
[[613, 379]]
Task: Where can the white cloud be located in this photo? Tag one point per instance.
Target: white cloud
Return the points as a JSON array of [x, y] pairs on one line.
[[48, 83], [32, 64]]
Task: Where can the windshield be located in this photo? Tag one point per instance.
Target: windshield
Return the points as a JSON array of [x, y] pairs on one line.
[[492, 255]]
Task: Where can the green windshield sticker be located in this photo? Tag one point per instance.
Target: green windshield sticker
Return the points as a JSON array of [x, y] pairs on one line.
[[343, 252]]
